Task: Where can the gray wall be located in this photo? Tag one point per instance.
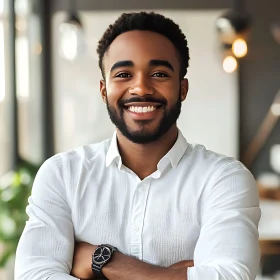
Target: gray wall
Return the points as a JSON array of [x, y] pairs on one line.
[[260, 79]]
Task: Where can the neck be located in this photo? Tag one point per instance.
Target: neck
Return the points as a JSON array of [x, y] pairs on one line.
[[142, 159]]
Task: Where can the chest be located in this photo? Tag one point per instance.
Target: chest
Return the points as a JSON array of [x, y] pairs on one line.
[[151, 219]]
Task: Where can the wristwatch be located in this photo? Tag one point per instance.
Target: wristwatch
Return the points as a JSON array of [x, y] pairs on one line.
[[100, 257]]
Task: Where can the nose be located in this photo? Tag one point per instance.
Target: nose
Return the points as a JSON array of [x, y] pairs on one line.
[[141, 87]]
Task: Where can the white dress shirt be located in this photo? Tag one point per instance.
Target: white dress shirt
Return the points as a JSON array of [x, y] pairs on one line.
[[198, 206]]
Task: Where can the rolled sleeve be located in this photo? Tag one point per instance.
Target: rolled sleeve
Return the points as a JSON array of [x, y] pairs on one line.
[[228, 247], [45, 250]]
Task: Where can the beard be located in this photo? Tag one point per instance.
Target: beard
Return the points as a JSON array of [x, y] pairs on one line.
[[145, 135]]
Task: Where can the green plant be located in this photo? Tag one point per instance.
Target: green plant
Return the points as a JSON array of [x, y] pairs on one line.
[[15, 188]]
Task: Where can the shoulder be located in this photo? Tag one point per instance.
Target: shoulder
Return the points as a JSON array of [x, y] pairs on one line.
[[199, 154], [61, 164], [215, 166], [82, 154]]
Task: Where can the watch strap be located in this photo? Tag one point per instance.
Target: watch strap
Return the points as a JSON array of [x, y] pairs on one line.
[[97, 269]]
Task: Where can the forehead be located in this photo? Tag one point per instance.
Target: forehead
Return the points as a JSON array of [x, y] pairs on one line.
[[141, 47]]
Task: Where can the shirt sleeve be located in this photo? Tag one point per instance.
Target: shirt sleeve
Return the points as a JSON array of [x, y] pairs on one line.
[[45, 250], [228, 247]]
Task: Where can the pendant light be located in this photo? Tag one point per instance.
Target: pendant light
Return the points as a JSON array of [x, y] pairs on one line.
[[71, 34], [233, 29]]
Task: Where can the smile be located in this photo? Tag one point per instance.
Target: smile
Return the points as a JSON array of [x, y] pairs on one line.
[[143, 111], [139, 109]]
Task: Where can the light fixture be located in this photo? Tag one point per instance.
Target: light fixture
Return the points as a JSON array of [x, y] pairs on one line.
[[233, 29], [232, 25], [71, 35], [239, 48], [229, 64]]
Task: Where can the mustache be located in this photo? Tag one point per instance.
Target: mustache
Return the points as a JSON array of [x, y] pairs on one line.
[[149, 99]]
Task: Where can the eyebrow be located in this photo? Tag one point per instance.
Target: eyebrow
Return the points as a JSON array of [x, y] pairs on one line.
[[123, 63], [153, 62], [165, 63]]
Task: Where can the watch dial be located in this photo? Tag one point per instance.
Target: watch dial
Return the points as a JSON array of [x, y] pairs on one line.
[[101, 255]]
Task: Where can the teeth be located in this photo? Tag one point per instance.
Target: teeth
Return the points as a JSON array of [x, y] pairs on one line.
[[141, 109]]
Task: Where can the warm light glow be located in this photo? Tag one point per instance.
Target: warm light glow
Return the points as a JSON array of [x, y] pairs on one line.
[[2, 64], [229, 64], [239, 48], [275, 109]]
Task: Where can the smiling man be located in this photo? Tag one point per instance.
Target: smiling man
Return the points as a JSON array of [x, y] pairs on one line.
[[145, 204]]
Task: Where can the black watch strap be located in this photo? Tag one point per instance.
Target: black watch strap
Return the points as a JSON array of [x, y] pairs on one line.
[[101, 256]]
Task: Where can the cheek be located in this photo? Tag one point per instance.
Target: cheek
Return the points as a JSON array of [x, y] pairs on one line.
[[171, 94], [114, 93]]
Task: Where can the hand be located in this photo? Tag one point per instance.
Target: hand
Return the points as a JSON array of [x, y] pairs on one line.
[[81, 267], [182, 264]]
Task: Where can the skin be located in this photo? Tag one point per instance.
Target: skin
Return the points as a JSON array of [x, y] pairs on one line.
[[139, 79]]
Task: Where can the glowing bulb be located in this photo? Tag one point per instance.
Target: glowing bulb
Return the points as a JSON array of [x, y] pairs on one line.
[[71, 40], [239, 48], [275, 109], [229, 64]]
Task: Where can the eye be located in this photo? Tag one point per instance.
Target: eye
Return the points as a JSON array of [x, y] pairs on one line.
[[123, 75], [159, 75]]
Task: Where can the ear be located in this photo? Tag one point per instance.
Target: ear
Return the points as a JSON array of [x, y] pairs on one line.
[[103, 90], [184, 89]]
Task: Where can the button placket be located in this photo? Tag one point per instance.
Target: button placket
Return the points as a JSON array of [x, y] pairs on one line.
[[137, 220]]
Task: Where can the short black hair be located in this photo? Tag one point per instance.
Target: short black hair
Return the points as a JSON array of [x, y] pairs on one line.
[[148, 21]]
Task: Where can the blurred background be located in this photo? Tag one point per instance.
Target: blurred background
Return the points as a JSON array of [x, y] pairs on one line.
[[50, 100]]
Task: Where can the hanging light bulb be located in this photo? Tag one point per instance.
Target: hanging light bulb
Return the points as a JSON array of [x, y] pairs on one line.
[[233, 29], [239, 48], [71, 36], [229, 64]]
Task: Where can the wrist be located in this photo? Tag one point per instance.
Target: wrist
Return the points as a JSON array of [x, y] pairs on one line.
[[101, 258]]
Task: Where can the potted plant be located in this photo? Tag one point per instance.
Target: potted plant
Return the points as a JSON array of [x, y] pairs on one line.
[[15, 188]]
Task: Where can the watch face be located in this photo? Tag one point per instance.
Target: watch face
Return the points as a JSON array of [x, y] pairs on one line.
[[101, 255]]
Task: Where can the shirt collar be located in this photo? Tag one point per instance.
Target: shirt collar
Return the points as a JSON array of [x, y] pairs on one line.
[[177, 151], [174, 155], [113, 153]]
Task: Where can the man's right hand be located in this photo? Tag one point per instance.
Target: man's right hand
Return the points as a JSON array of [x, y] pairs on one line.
[[182, 264]]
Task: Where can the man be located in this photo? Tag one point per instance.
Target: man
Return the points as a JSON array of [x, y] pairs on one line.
[[154, 200]]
